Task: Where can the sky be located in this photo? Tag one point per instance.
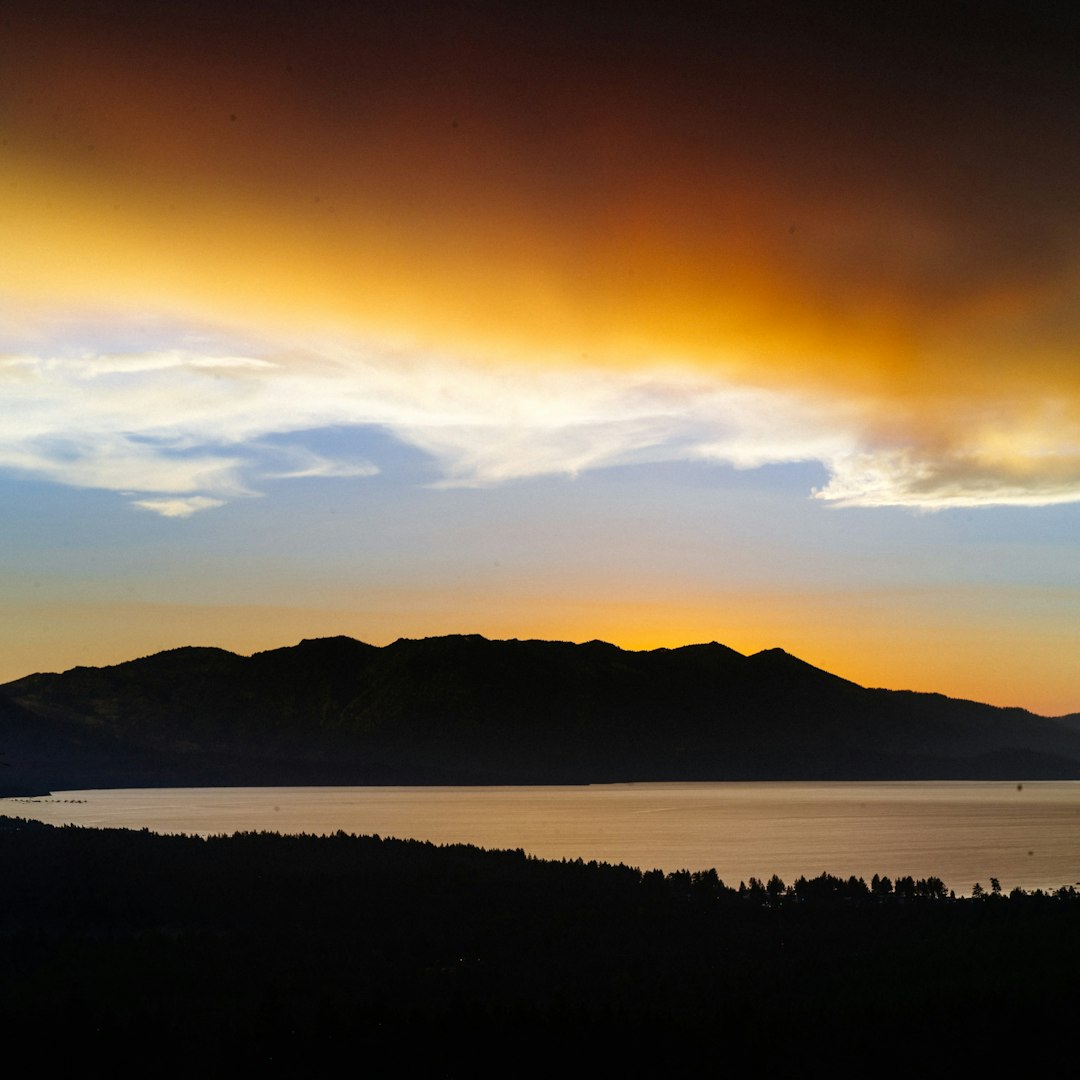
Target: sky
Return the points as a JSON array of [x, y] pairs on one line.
[[654, 323]]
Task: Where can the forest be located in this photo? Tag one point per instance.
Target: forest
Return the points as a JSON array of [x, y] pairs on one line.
[[291, 952]]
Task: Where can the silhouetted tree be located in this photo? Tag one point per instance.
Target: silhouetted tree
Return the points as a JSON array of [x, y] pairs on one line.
[[931, 888]]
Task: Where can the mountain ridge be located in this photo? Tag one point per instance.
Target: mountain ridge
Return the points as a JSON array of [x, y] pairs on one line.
[[463, 708]]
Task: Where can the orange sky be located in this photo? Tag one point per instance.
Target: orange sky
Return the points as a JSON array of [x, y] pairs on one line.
[[786, 201]]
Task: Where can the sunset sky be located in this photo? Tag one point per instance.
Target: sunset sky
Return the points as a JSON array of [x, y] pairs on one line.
[[656, 323]]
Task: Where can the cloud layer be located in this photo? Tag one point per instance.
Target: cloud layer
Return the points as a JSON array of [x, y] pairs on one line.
[[187, 427]]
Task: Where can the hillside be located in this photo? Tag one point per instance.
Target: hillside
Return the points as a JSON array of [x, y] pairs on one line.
[[464, 709]]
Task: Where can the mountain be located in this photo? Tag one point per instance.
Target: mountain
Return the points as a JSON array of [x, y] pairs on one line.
[[464, 709]]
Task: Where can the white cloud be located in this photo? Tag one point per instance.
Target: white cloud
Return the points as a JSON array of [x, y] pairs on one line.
[[905, 477], [306, 465], [186, 425], [189, 425], [178, 508]]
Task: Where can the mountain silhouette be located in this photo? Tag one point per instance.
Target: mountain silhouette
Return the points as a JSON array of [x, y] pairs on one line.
[[463, 709]]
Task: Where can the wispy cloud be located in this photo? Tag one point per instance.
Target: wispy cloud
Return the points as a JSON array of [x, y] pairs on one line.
[[190, 425], [906, 477], [306, 465], [178, 508]]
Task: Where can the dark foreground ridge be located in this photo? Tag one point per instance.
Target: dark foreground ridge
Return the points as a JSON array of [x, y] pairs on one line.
[[466, 710], [146, 950]]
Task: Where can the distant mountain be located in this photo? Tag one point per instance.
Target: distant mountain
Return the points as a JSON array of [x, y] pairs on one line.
[[466, 710]]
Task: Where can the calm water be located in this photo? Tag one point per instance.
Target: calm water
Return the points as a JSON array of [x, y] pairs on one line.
[[1027, 835]]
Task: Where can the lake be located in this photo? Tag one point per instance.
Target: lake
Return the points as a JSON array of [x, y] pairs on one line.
[[963, 832]]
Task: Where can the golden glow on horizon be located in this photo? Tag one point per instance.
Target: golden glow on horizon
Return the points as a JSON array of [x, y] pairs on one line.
[[873, 641]]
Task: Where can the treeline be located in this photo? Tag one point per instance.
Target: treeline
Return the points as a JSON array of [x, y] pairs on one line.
[[284, 951], [826, 888]]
